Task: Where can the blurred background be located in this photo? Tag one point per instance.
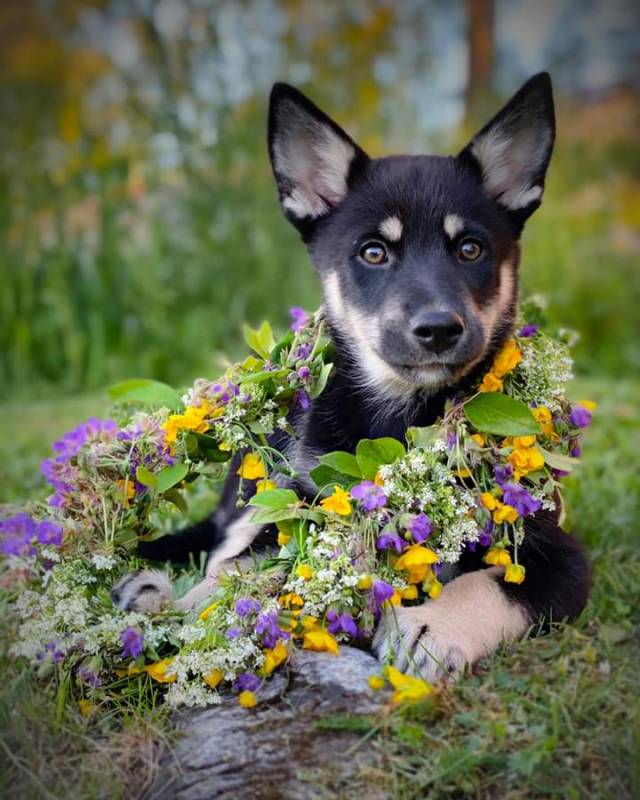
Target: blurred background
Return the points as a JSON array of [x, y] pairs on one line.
[[139, 225]]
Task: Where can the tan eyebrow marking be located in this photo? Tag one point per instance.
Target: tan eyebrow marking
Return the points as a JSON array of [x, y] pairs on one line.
[[453, 224], [391, 228]]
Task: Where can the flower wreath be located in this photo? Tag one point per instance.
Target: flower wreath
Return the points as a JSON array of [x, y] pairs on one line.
[[385, 520]]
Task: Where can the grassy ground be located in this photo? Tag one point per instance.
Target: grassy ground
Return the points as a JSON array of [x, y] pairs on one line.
[[551, 717]]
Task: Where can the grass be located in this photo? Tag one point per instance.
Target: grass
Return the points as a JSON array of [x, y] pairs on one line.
[[551, 717]]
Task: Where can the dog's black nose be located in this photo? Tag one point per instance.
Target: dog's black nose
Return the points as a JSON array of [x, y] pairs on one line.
[[437, 331]]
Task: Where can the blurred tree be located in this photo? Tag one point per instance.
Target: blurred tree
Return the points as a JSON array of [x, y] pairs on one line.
[[479, 91]]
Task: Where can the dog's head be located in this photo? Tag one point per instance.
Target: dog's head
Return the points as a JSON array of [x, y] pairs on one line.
[[417, 255]]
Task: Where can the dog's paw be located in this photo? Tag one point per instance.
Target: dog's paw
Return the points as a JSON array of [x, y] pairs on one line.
[[412, 640], [149, 591]]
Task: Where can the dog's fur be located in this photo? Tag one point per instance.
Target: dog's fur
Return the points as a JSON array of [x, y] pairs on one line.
[[408, 332]]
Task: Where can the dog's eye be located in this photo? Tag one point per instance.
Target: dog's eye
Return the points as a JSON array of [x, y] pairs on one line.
[[374, 253], [469, 250]]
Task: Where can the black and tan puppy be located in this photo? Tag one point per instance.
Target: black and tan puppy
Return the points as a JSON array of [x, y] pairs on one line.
[[418, 258]]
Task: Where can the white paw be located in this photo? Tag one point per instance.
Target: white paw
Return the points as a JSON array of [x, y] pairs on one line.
[[149, 590], [412, 640]]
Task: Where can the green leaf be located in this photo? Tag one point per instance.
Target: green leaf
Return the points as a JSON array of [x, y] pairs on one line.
[[343, 462], [422, 437], [170, 476], [558, 461], [265, 516], [373, 453], [146, 478], [175, 497], [260, 340], [260, 377], [325, 477], [208, 446], [319, 386], [275, 499], [152, 393], [493, 412]]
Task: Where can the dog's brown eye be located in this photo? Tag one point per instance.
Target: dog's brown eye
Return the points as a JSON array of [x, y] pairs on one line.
[[374, 253], [469, 250]]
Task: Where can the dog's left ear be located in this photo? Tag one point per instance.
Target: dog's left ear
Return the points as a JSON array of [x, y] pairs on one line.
[[512, 151], [313, 159]]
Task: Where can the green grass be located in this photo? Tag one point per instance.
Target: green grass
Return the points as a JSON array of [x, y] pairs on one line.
[[551, 717]]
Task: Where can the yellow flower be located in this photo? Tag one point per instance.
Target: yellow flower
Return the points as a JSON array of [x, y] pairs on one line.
[[283, 538], [507, 359], [514, 573], [479, 439], [519, 441], [127, 489], [365, 582], [265, 485], [463, 473], [435, 588], [498, 557], [525, 460], [247, 699], [252, 467], [291, 599], [158, 671], [416, 560], [491, 383], [378, 479], [304, 571], [376, 682], [543, 417], [409, 593], [320, 640], [407, 688], [87, 708], [206, 613], [213, 678], [193, 419], [504, 513], [488, 500], [273, 658], [394, 600], [338, 502], [590, 405], [309, 623]]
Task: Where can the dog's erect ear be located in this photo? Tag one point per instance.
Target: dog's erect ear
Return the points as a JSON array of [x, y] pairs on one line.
[[512, 151], [313, 159]]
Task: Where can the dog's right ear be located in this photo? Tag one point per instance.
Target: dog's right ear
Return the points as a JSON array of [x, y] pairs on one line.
[[313, 159]]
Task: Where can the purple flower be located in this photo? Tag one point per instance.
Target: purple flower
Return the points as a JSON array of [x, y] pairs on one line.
[[246, 606], [580, 417], [370, 495], [89, 677], [303, 351], [267, 626], [299, 318], [518, 497], [503, 473], [575, 451], [247, 682], [390, 540], [381, 591], [452, 440], [304, 373], [132, 642], [484, 540], [421, 527], [341, 623], [233, 632], [51, 651], [49, 533], [528, 330], [302, 400], [17, 534]]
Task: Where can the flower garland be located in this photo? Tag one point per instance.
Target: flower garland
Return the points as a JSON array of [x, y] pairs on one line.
[[385, 521]]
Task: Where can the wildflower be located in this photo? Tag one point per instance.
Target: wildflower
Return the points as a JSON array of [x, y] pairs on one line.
[[341, 623], [127, 491], [543, 417], [407, 688], [291, 599], [421, 527], [299, 318], [283, 538], [417, 561], [246, 605], [87, 708], [247, 682], [365, 582], [479, 439], [497, 556], [338, 502], [206, 613], [320, 640], [247, 699], [504, 513], [381, 591], [304, 571], [525, 460], [233, 632], [518, 497], [409, 592], [370, 495], [132, 642], [434, 588], [302, 400], [507, 359], [502, 473], [514, 573], [51, 651], [526, 331], [267, 626], [274, 657], [193, 419], [488, 500], [388, 540], [160, 671], [213, 678], [265, 485], [580, 416], [89, 677], [491, 383], [376, 682], [252, 467]]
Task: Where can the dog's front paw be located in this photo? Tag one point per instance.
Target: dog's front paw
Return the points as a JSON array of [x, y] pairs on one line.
[[149, 591], [412, 640]]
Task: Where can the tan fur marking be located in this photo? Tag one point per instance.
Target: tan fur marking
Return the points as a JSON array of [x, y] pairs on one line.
[[453, 224], [391, 228]]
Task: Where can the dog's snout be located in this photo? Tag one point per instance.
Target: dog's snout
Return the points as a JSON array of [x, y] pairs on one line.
[[437, 331]]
